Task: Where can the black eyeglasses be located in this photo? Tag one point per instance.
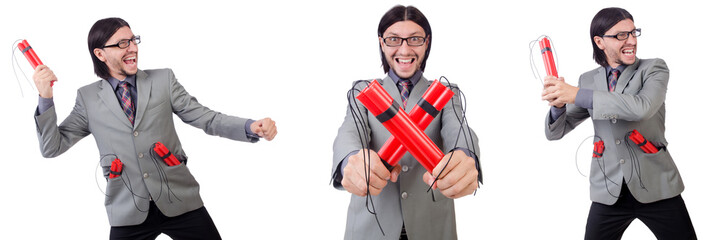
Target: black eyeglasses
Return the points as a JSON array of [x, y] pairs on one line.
[[124, 43], [414, 41], [625, 35]]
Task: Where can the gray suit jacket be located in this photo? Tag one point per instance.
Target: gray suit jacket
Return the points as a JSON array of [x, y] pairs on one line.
[[405, 201], [97, 111], [636, 103]]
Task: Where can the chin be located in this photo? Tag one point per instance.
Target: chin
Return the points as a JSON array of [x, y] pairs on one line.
[[402, 74], [131, 72]]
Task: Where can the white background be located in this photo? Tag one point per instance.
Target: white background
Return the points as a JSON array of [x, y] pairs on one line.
[[295, 60]]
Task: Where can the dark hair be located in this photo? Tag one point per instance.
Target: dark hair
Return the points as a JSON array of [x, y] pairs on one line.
[[602, 22], [101, 32], [400, 13]]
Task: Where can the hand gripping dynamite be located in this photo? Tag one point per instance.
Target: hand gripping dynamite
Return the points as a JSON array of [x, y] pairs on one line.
[[428, 107], [547, 51], [400, 125]]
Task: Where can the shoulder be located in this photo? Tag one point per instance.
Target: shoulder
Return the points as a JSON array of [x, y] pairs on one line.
[[444, 81], [155, 73], [93, 87], [652, 63], [586, 78], [592, 72], [363, 83]]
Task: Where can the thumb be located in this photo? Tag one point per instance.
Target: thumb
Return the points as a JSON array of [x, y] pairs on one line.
[[257, 128], [429, 180], [395, 173]]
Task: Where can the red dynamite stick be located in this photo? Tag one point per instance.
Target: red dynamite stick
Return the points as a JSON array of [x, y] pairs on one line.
[[644, 144], [598, 149], [547, 51], [116, 167], [29, 53], [434, 98], [394, 119], [162, 151], [392, 150]]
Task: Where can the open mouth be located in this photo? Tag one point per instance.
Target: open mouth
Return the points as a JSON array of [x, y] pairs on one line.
[[130, 60], [404, 60], [628, 52]]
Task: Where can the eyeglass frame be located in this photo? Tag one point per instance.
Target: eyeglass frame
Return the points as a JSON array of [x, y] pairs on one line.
[[136, 39], [628, 34], [405, 40]]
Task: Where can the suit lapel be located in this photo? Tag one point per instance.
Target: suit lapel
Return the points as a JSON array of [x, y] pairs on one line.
[[391, 88], [143, 92], [599, 80], [108, 97], [626, 77], [416, 93]]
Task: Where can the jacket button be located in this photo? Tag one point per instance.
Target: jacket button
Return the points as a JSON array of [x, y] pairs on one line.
[[146, 175], [404, 195], [141, 155], [136, 134], [405, 168], [622, 161], [613, 121], [618, 142]]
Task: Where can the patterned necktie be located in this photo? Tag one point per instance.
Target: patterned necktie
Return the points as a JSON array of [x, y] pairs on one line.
[[404, 84], [613, 79], [126, 103]]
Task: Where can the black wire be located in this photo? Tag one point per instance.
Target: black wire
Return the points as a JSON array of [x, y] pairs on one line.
[[162, 176], [635, 162], [361, 123], [606, 179], [132, 191], [126, 182], [469, 144]]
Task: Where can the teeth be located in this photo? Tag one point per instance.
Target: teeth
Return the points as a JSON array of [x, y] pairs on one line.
[[405, 61], [131, 58]]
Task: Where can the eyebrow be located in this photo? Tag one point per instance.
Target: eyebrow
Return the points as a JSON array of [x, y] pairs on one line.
[[414, 34], [132, 36], [623, 31]]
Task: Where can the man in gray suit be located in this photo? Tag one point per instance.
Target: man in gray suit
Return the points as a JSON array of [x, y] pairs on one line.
[[403, 207], [626, 94], [128, 111]]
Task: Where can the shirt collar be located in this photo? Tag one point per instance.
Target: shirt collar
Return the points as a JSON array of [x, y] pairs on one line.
[[129, 79], [620, 68], [414, 78]]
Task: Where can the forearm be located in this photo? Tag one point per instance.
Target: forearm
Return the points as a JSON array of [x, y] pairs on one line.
[[54, 140]]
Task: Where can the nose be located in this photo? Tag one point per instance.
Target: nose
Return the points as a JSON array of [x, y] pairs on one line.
[[404, 48], [133, 47]]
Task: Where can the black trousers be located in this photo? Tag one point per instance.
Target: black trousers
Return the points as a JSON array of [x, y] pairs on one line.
[[196, 224], [667, 219]]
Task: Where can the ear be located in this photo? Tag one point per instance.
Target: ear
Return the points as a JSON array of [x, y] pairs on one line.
[[381, 43], [599, 42], [99, 54]]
